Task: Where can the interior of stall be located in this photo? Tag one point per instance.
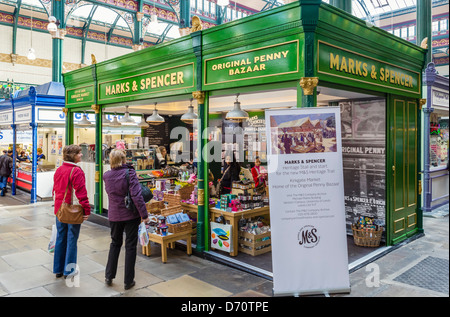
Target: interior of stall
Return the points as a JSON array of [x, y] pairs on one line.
[[163, 150]]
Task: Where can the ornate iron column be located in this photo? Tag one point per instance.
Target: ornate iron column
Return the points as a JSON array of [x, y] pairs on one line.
[[430, 77]]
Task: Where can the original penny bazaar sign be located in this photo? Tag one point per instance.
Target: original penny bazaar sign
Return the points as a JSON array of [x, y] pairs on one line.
[[342, 63], [169, 79], [268, 61]]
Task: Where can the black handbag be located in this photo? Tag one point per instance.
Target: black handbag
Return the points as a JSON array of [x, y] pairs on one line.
[[146, 194]]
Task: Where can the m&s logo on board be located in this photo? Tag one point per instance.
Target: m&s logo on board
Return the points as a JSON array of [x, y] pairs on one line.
[[308, 236]]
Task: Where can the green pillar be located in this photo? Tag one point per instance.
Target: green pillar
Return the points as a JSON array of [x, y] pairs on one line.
[[424, 22], [202, 172], [185, 14], [57, 41], [309, 15], [69, 126], [98, 203]]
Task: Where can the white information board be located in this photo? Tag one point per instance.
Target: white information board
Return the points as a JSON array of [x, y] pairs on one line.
[[307, 209]]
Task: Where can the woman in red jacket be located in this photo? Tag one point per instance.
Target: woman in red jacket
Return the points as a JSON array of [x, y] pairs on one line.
[[65, 257]]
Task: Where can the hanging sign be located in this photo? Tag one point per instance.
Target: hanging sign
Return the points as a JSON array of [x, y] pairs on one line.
[[80, 95], [307, 208], [174, 78], [273, 60], [342, 63]]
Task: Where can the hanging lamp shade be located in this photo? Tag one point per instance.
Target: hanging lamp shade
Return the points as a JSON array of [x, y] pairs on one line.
[[84, 122], [126, 119], [143, 124], [155, 118], [115, 122], [105, 120], [31, 54], [237, 114], [189, 116]]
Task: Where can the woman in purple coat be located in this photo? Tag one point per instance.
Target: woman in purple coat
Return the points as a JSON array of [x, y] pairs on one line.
[[120, 218]]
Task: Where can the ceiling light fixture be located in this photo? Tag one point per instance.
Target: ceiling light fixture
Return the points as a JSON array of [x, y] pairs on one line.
[[237, 114], [155, 118], [189, 116], [105, 120], [115, 122], [143, 124], [126, 119], [84, 122]]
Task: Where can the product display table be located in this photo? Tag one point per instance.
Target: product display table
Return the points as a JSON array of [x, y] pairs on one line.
[[233, 219], [164, 241]]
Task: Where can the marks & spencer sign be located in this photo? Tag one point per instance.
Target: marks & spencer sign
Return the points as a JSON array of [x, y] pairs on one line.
[[169, 79], [342, 63]]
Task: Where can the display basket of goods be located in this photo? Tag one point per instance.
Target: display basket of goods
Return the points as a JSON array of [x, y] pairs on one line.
[[366, 233], [176, 220], [172, 199], [154, 207], [186, 191], [254, 241]]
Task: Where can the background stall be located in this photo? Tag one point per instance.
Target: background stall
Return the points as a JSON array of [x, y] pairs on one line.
[[39, 127]]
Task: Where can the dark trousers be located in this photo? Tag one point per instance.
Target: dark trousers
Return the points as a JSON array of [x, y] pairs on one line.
[[130, 228]]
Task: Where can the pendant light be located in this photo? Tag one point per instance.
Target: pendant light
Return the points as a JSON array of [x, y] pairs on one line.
[[126, 119], [31, 52], [115, 122], [84, 122], [143, 124], [189, 116], [105, 120], [155, 118], [237, 114]]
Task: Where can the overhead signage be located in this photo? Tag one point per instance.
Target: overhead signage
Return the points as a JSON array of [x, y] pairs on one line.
[[22, 115], [80, 95], [273, 60], [342, 63], [169, 79], [307, 207], [6, 117]]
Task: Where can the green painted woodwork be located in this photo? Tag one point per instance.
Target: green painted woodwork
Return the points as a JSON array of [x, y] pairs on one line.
[[402, 168], [309, 31]]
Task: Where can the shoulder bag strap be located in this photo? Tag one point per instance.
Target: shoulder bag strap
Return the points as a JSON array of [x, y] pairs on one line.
[[67, 187]]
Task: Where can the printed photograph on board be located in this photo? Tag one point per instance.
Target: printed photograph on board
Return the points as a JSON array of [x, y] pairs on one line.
[[308, 133]]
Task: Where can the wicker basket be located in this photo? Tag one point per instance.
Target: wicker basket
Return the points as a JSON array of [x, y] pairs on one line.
[[179, 227], [171, 210], [154, 207], [367, 238], [186, 191], [172, 199]]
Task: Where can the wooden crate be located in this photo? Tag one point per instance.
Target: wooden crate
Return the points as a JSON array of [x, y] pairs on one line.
[[248, 243], [179, 227]]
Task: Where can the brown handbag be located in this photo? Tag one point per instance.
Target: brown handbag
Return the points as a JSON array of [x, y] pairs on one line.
[[68, 213]]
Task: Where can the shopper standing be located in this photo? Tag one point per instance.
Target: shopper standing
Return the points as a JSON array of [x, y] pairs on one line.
[[122, 219], [231, 172], [65, 257], [6, 166]]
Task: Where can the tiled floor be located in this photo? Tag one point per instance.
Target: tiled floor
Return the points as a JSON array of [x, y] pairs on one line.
[[26, 266]]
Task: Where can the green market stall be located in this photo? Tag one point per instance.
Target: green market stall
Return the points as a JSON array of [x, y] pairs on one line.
[[304, 54]]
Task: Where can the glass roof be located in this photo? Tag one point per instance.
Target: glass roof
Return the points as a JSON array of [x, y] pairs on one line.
[[364, 9]]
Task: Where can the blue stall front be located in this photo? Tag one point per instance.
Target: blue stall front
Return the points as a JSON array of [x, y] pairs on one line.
[[33, 122]]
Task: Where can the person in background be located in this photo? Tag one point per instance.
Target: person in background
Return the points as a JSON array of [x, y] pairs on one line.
[[258, 177], [22, 157], [162, 158], [65, 258], [40, 155], [232, 169], [6, 166], [121, 219]]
